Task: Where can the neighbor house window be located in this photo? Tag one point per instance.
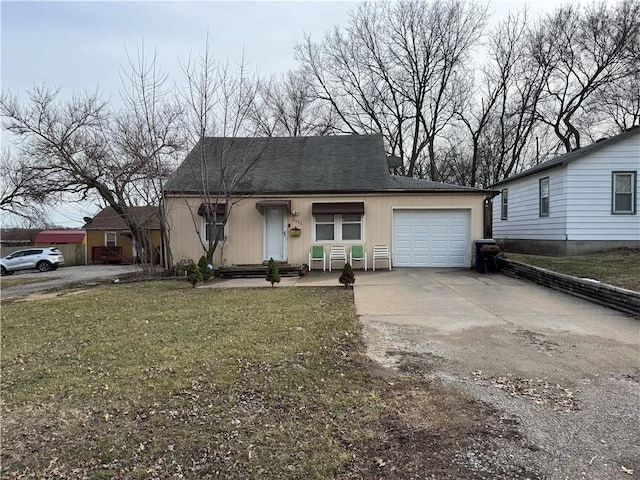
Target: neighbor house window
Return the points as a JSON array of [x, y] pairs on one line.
[[338, 227], [214, 230], [110, 239], [504, 206], [544, 197], [624, 193]]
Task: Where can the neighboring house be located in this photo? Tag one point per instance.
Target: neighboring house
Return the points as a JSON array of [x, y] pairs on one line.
[[332, 190], [60, 237], [18, 237], [585, 200], [109, 239]]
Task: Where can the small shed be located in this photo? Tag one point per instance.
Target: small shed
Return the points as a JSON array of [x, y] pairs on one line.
[[60, 237], [71, 242]]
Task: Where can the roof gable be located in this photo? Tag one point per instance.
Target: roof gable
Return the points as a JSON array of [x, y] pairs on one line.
[[289, 165], [108, 219], [566, 158]]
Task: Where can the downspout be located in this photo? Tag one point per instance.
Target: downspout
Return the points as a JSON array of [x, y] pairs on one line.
[[487, 217]]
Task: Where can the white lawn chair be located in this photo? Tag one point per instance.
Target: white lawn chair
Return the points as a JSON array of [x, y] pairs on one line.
[[316, 255], [381, 252], [357, 253], [337, 252]]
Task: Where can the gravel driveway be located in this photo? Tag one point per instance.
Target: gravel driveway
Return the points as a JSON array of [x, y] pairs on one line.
[[64, 276], [564, 370]]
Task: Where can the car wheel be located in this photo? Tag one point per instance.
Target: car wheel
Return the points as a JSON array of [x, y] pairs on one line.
[[4, 271], [44, 266]]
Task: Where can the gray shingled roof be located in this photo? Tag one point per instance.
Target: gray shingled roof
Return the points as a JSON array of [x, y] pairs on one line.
[[289, 165], [571, 156]]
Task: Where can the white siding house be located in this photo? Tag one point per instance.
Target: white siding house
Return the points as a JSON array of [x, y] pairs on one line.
[[581, 201]]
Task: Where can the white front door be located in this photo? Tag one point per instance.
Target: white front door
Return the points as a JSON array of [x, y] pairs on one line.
[[275, 234]]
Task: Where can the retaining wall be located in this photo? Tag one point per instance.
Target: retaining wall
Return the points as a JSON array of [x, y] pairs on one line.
[[626, 301]]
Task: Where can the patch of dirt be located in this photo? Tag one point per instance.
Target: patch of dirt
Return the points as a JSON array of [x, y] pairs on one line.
[[34, 297], [414, 362], [433, 431]]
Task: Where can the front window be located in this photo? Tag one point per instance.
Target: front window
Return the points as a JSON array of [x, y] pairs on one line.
[[624, 193], [544, 197], [338, 227], [214, 230], [351, 226], [504, 211]]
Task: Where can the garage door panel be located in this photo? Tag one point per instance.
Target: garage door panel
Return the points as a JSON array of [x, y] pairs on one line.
[[458, 261], [421, 260], [440, 245], [432, 238], [458, 244]]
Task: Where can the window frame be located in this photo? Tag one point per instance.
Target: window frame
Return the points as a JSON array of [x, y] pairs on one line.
[[220, 220], [504, 204], [338, 223], [633, 193], [542, 212], [106, 239]]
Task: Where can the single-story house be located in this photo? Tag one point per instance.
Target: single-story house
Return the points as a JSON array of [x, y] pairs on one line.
[[60, 237], [585, 200], [109, 239], [298, 192]]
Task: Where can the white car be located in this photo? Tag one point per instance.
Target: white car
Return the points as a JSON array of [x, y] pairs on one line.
[[42, 258]]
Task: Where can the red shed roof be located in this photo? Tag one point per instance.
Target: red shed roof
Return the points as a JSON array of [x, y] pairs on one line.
[[60, 236]]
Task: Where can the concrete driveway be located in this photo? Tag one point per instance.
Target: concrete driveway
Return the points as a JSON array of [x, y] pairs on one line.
[[565, 370]]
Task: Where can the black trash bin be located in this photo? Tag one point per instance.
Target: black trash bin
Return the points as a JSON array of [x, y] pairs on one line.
[[486, 251]]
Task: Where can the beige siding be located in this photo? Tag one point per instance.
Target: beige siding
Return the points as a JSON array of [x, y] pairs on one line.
[[244, 244]]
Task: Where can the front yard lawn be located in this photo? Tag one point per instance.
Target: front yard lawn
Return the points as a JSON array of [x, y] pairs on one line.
[[160, 380], [620, 267]]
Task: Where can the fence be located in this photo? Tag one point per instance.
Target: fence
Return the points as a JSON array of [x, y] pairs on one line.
[[74, 254]]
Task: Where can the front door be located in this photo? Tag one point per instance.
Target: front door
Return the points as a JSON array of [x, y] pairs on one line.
[[275, 234]]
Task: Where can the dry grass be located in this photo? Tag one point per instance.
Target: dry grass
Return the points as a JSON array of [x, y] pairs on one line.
[[620, 267]]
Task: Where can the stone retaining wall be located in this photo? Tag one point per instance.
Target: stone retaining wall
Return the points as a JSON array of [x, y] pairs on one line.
[[626, 301]]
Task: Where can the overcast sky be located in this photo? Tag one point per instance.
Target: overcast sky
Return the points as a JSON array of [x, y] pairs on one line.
[[80, 46]]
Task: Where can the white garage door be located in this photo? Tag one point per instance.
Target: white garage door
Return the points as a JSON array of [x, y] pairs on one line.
[[431, 238]]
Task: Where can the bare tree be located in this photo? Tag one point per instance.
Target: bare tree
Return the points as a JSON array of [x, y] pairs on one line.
[[72, 147], [582, 50], [286, 107], [219, 101], [395, 69], [23, 190], [145, 133]]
